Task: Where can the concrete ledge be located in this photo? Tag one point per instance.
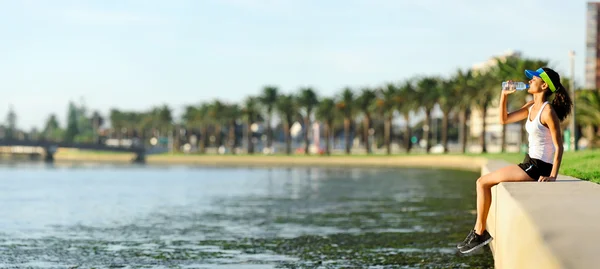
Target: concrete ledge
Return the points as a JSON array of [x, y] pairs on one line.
[[544, 225]]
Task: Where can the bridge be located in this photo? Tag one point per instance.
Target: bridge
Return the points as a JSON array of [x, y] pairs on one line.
[[50, 147]]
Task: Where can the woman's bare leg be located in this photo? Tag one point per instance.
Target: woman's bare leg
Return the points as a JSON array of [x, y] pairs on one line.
[[484, 190]]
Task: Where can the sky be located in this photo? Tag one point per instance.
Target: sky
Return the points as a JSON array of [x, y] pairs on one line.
[[135, 54]]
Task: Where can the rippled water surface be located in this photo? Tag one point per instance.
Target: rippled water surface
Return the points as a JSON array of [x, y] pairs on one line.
[[104, 216]]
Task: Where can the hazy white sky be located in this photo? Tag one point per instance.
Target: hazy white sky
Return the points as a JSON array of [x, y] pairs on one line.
[[136, 54]]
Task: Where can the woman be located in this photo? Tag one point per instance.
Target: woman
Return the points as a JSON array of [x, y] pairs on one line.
[[545, 145]]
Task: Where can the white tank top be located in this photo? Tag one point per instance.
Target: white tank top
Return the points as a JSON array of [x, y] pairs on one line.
[[541, 146]]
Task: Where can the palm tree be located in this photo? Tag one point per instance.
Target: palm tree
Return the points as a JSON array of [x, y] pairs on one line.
[[588, 105], [512, 68], [465, 90], [189, 117], [165, 124], [487, 91], [152, 117], [117, 122], [307, 100], [195, 117], [52, 131], [145, 124], [251, 113], [217, 113], [346, 107], [326, 113], [202, 113], [269, 100], [365, 102], [288, 110], [447, 101], [97, 122], [406, 101], [11, 120], [132, 120], [165, 117], [232, 113], [428, 95], [386, 103]]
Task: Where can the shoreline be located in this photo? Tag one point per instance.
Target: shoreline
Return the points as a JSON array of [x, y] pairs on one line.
[[421, 161], [460, 162], [580, 164]]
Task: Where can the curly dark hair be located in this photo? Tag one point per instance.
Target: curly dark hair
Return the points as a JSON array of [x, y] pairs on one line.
[[561, 103]]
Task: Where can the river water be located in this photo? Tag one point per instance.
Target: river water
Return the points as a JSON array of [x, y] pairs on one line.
[[121, 216]]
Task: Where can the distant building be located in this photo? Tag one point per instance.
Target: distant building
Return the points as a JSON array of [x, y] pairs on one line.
[[485, 66], [592, 52]]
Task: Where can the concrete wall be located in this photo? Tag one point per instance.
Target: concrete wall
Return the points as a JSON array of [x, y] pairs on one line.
[[544, 224]]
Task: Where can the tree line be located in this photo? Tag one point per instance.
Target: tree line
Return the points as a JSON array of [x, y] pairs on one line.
[[351, 111]]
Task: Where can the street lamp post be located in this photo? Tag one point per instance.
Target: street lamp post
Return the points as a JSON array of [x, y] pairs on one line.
[[572, 126]]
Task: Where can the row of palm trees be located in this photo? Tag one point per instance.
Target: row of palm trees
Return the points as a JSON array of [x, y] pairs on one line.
[[456, 96]]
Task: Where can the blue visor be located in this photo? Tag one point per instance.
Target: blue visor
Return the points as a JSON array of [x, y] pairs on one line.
[[540, 73], [530, 73]]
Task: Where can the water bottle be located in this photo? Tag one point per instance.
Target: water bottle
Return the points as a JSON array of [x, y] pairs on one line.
[[519, 86]]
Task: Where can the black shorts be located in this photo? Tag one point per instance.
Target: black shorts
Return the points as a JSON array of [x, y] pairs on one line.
[[535, 168]]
